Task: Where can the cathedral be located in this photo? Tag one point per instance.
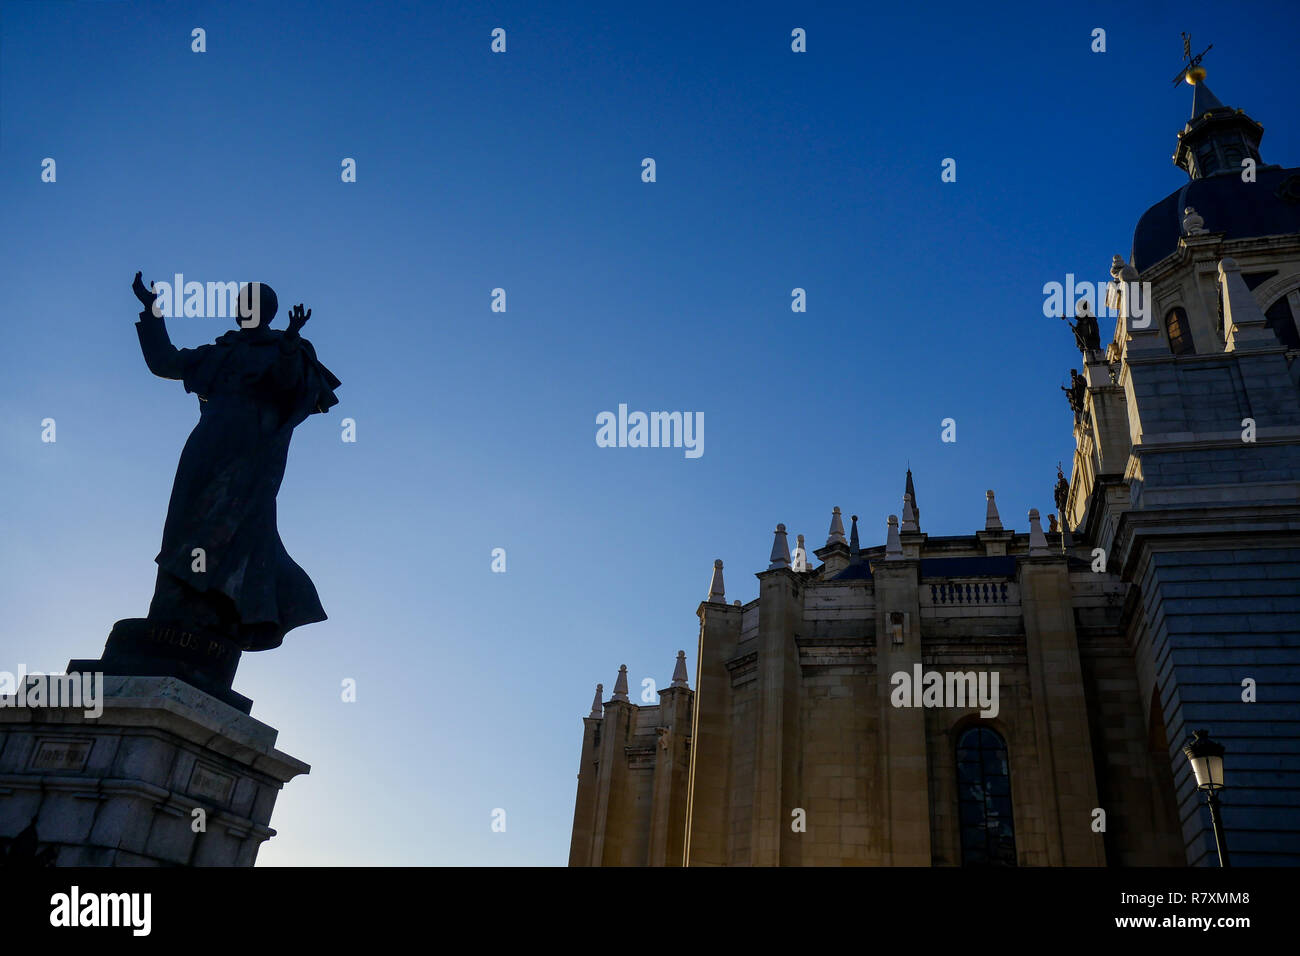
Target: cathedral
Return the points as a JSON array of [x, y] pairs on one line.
[[1012, 697]]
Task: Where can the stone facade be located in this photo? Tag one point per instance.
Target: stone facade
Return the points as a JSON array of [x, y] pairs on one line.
[[1169, 602], [121, 789], [795, 710]]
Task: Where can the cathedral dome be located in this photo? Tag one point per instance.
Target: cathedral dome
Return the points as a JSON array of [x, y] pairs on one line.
[[1270, 206]]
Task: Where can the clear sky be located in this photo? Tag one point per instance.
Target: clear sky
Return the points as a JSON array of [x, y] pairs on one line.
[[476, 429]]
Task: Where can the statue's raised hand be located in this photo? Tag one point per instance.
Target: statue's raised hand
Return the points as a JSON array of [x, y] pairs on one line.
[[146, 296], [298, 318]]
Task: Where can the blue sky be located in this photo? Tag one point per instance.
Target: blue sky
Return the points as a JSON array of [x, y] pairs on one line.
[[476, 430]]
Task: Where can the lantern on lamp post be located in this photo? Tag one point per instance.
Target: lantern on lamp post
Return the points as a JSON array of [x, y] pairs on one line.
[[1206, 758]]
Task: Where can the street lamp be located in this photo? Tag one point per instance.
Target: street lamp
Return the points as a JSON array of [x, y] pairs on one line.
[[1206, 758]]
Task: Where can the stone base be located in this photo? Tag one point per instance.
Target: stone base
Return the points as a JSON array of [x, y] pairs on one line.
[[121, 789], [138, 647]]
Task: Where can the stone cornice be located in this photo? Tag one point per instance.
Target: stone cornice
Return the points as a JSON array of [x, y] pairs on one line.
[[1204, 527]]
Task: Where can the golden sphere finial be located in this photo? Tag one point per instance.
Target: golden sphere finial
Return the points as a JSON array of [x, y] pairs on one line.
[[1195, 75]]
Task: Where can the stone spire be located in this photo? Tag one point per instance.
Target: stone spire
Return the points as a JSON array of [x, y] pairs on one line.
[[799, 562], [854, 550], [836, 535], [780, 550], [679, 672], [893, 547], [991, 520], [620, 685], [1037, 540], [909, 515], [717, 591], [598, 705], [1216, 138], [910, 489]]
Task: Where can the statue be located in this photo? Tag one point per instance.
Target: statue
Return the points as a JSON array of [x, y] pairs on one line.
[[1087, 336], [1074, 392], [1124, 287], [1062, 490], [225, 582]]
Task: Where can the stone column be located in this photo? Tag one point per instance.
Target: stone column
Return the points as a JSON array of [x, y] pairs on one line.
[[903, 756], [776, 752], [668, 815], [708, 793], [1060, 712]]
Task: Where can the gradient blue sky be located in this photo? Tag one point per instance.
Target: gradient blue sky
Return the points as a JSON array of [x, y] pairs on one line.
[[476, 429]]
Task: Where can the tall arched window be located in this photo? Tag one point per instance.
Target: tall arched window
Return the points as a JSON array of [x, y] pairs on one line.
[[1180, 336], [1282, 321], [988, 835]]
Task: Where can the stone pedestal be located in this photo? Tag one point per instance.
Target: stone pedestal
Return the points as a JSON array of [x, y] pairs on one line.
[[138, 647], [121, 789]]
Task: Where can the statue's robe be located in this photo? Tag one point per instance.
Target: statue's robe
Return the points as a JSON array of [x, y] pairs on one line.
[[254, 387]]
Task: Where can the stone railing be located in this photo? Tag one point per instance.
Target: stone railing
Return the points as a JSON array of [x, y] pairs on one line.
[[972, 592]]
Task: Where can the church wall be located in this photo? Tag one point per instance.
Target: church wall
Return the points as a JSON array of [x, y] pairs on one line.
[[1134, 783], [840, 790], [1014, 722], [1217, 617], [744, 718], [712, 732]]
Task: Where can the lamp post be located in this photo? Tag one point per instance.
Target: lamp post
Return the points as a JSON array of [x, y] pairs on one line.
[[1206, 758]]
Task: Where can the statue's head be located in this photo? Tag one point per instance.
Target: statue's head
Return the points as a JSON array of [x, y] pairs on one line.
[[257, 306]]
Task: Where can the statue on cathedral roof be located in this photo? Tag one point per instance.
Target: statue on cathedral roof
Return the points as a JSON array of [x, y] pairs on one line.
[[1074, 392], [1062, 490], [1087, 336]]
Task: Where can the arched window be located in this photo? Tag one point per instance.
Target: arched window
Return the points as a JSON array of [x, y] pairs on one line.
[[1180, 336], [988, 836], [1283, 323], [1207, 160]]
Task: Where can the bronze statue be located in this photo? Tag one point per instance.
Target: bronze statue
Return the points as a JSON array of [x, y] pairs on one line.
[[1062, 491], [1074, 392], [1087, 335], [225, 582]]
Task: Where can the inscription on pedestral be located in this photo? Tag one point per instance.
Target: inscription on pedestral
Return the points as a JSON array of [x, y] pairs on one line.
[[64, 754], [211, 784]]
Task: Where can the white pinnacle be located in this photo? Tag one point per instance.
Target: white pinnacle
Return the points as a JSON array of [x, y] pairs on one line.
[[1037, 540], [992, 522], [799, 561], [598, 705]]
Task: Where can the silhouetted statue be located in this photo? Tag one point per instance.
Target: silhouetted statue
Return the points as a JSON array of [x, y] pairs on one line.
[[225, 582], [1061, 493], [1087, 335], [1075, 390]]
